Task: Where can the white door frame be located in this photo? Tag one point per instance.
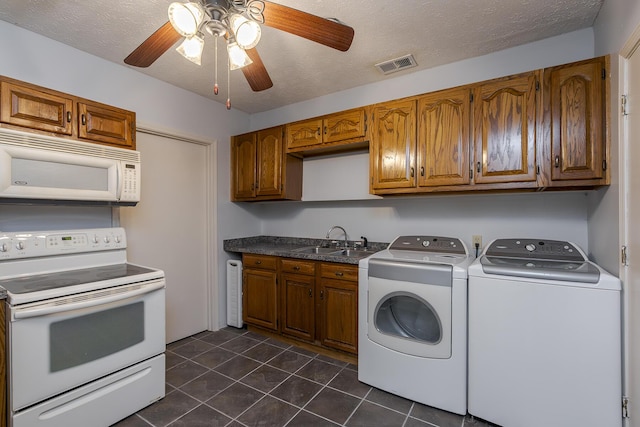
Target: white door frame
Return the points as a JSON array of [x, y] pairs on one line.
[[211, 227], [632, 44]]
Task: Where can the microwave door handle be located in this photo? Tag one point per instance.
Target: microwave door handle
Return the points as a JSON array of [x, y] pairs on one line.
[[120, 180], [25, 313]]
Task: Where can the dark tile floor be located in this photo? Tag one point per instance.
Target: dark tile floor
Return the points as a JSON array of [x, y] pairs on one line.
[[237, 378]]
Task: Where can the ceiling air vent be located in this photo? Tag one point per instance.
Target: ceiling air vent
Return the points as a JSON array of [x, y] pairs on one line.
[[397, 64]]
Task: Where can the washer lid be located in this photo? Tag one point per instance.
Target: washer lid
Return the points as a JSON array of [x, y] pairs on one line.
[[568, 271]]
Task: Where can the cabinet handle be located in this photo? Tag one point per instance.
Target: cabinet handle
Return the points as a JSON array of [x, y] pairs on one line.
[[310, 293], [413, 172], [318, 131], [421, 170], [322, 294], [258, 262], [84, 120], [325, 130], [556, 162], [339, 273], [296, 267], [478, 167], [68, 116], [252, 187]]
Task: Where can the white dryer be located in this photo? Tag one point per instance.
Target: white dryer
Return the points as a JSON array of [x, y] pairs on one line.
[[544, 337], [412, 317]]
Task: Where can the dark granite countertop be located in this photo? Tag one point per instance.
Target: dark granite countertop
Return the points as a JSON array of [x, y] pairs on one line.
[[287, 246]]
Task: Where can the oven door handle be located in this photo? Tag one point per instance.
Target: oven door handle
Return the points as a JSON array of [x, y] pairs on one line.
[[92, 299]]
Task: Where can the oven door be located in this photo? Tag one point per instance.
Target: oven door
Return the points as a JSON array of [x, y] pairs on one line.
[[62, 343]]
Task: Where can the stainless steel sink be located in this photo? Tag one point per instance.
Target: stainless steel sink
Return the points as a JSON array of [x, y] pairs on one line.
[[317, 250], [353, 252]]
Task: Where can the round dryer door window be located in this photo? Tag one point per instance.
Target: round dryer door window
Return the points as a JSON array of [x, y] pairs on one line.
[[415, 320], [409, 317]]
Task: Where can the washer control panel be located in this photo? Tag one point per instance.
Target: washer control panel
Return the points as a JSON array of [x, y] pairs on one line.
[[429, 244], [46, 243], [556, 250]]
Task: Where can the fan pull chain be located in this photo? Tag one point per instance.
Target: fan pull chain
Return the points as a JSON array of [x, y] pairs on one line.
[[229, 84], [215, 78]]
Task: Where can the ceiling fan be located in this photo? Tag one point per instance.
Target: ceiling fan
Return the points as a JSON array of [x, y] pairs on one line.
[[237, 21]]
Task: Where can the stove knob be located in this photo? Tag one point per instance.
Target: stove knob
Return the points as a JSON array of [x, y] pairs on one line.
[[106, 239], [530, 247], [117, 239], [95, 239], [4, 247], [20, 246]]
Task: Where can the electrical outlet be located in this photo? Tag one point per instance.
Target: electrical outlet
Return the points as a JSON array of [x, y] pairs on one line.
[[477, 241]]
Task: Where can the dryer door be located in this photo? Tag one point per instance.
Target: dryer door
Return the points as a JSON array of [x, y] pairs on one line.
[[409, 308]]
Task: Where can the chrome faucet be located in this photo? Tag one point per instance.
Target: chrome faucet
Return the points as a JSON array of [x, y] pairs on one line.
[[346, 238]]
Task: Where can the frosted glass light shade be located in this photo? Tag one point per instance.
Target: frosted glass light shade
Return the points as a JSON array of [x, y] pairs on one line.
[[238, 58], [247, 32], [191, 48], [185, 17]]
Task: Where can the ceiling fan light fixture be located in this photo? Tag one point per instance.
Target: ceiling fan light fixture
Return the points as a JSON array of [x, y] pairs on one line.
[[186, 17], [247, 33], [191, 48], [238, 58]]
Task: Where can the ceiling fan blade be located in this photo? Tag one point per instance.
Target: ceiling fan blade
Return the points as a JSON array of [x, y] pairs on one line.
[[154, 46], [311, 27], [255, 73]]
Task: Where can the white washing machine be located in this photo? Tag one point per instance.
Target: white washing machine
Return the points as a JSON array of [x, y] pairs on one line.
[[544, 337], [412, 316]]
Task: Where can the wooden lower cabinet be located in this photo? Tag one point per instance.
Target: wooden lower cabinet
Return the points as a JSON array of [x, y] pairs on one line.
[[310, 301], [339, 307], [260, 291]]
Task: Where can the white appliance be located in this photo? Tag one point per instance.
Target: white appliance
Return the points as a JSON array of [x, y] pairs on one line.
[[412, 317], [234, 293], [85, 329], [544, 337], [36, 167]]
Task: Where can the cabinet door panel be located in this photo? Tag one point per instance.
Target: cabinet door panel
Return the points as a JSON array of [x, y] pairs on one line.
[[243, 166], [298, 316], [269, 162], [304, 134], [443, 138], [505, 130], [341, 126], [393, 145], [576, 113], [259, 298], [107, 125], [339, 302], [31, 108]]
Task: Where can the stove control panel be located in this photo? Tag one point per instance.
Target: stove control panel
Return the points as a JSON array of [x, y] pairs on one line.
[[32, 244]]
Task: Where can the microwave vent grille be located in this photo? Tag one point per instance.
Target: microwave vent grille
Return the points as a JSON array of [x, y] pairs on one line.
[[8, 136]]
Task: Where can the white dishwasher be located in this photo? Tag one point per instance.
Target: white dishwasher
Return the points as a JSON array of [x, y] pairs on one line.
[[544, 337]]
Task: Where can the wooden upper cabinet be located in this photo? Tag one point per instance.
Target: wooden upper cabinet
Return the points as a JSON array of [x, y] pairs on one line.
[[575, 99], [104, 124], [304, 134], [243, 166], [261, 170], [443, 138], [36, 109], [505, 129], [393, 145], [43, 110], [270, 154], [323, 134]]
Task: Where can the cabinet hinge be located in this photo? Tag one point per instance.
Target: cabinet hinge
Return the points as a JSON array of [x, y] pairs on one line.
[[604, 74], [623, 102], [471, 173], [604, 165], [537, 169], [471, 97], [537, 85], [371, 180], [625, 407], [623, 256]]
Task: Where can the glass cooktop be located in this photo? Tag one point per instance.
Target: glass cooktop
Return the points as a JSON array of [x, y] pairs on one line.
[[42, 282]]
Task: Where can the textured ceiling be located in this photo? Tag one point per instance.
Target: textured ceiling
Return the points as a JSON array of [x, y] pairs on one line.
[[436, 32]]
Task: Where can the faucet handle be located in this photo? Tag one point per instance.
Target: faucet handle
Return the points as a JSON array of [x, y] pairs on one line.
[[365, 242]]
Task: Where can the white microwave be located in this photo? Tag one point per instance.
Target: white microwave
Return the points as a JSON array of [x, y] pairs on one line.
[[40, 167]]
